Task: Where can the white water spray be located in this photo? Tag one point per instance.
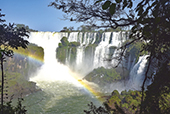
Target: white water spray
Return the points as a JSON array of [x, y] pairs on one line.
[[137, 74], [52, 70]]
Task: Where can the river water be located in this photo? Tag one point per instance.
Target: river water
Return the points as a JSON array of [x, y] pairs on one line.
[[59, 97]]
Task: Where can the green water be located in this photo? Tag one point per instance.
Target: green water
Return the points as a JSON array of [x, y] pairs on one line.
[[59, 97]]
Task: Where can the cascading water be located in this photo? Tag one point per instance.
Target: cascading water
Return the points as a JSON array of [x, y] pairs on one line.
[[102, 51], [135, 80], [79, 57], [81, 64], [49, 42], [61, 92], [137, 74]]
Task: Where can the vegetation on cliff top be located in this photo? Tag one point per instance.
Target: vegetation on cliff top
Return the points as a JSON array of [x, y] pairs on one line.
[[66, 47], [103, 76], [31, 51]]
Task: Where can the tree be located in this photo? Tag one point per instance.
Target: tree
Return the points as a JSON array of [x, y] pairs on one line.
[[86, 28], [11, 37], [65, 29], [157, 98], [64, 41], [149, 21], [71, 28], [25, 27]]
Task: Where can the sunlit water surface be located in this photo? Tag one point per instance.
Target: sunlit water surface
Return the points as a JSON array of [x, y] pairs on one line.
[[59, 97]]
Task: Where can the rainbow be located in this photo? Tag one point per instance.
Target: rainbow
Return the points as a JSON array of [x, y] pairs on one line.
[[85, 84], [96, 93], [30, 56], [25, 53]]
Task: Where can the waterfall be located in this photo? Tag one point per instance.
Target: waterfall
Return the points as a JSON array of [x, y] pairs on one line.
[[102, 51], [52, 70], [86, 60], [61, 90], [137, 74], [79, 57], [73, 37], [68, 57], [84, 39], [94, 38]]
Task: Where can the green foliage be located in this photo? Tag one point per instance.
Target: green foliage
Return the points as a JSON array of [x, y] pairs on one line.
[[64, 41], [94, 110], [115, 92], [158, 93], [103, 76], [65, 29], [9, 109], [10, 37], [73, 53], [127, 101], [112, 8], [25, 27], [17, 70], [106, 5], [32, 51], [17, 84], [60, 45], [74, 44], [135, 50], [114, 99], [66, 47], [84, 28], [61, 54], [90, 47]]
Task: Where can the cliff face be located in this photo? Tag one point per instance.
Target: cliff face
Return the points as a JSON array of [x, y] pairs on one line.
[[83, 52], [19, 68], [22, 64]]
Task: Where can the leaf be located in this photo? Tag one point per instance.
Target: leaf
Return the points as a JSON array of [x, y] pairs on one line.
[[97, 1], [157, 19], [140, 11], [112, 8], [130, 4], [106, 5], [118, 1], [155, 13], [0, 55], [125, 4]]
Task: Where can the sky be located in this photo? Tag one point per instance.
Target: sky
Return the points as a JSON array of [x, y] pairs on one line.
[[36, 14]]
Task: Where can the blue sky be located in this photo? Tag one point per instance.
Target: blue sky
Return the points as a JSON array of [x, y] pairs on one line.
[[34, 13]]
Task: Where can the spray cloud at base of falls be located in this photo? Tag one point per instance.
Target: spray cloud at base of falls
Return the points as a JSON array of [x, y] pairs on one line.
[[52, 70]]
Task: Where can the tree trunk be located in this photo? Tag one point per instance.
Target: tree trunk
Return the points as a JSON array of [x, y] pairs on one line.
[[2, 85]]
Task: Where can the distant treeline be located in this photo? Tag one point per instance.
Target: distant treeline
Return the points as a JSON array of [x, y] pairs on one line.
[[26, 27], [84, 28]]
